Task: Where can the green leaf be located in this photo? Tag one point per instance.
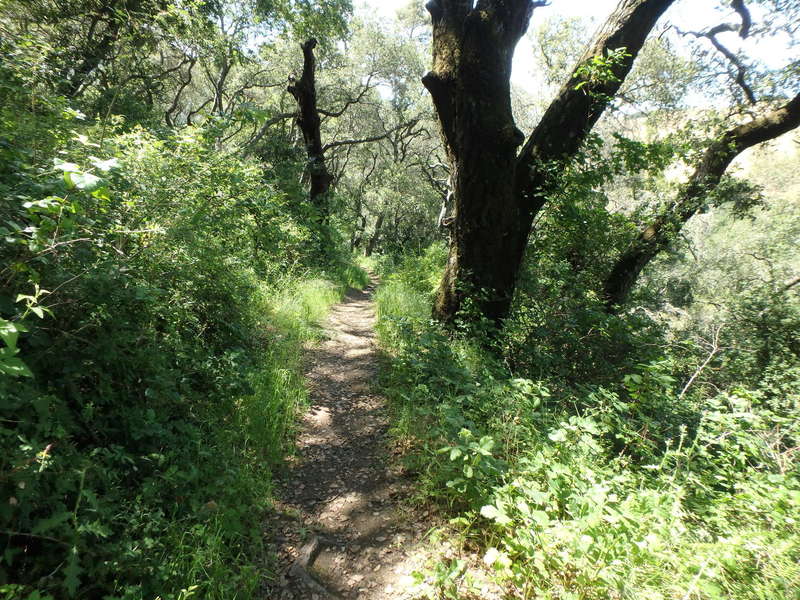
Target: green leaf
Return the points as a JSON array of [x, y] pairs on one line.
[[14, 367], [85, 181], [104, 165], [489, 511], [71, 572], [541, 518], [67, 167], [82, 139], [9, 332], [50, 523], [537, 496], [101, 193], [493, 513]]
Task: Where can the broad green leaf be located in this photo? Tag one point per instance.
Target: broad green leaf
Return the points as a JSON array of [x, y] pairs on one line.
[[14, 367], [85, 181], [494, 514], [67, 167], [541, 518], [104, 165], [9, 332]]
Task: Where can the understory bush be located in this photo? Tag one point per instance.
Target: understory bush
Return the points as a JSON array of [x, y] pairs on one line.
[[634, 486], [154, 297]]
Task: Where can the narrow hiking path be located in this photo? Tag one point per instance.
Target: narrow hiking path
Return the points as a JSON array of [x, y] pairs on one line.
[[343, 531]]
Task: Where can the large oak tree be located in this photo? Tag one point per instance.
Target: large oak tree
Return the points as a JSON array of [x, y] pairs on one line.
[[501, 180]]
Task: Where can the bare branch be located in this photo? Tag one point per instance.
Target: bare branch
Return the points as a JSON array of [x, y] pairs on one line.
[[790, 284], [367, 140], [192, 113], [350, 102], [741, 70], [265, 127], [176, 99], [744, 13], [714, 344]]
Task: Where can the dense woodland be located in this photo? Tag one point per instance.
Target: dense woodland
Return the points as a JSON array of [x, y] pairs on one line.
[[588, 307]]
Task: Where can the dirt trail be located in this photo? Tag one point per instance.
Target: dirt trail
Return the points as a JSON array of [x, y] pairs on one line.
[[343, 531]]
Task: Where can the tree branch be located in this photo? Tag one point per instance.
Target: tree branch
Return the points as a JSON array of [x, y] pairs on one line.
[[195, 112], [658, 234], [714, 349], [176, 99], [744, 13], [741, 70], [790, 284], [366, 140], [265, 127], [580, 103], [350, 101]]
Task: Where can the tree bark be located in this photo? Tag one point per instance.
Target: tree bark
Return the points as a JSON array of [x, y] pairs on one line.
[[304, 91], [497, 191], [96, 51], [358, 233], [657, 235], [373, 240]]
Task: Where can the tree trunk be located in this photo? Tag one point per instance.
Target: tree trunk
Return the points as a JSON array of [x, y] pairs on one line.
[[657, 235], [96, 51], [305, 93], [469, 85], [373, 240], [358, 233], [497, 192]]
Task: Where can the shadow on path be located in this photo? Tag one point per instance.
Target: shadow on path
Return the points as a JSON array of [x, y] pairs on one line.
[[344, 533]]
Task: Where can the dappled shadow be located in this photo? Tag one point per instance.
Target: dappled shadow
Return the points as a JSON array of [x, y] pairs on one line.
[[344, 533]]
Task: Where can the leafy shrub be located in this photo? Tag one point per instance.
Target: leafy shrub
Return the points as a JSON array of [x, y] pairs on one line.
[[601, 487], [153, 300]]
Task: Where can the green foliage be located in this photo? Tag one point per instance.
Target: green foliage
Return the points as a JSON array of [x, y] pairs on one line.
[[573, 489], [599, 70], [154, 297], [470, 467]]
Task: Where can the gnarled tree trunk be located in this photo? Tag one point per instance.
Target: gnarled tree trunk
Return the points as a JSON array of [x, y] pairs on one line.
[[304, 91], [373, 239], [497, 191], [657, 235]]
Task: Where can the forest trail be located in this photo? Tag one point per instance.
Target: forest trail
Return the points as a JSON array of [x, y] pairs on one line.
[[343, 531]]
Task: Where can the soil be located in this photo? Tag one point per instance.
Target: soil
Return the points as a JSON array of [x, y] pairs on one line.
[[345, 526]]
